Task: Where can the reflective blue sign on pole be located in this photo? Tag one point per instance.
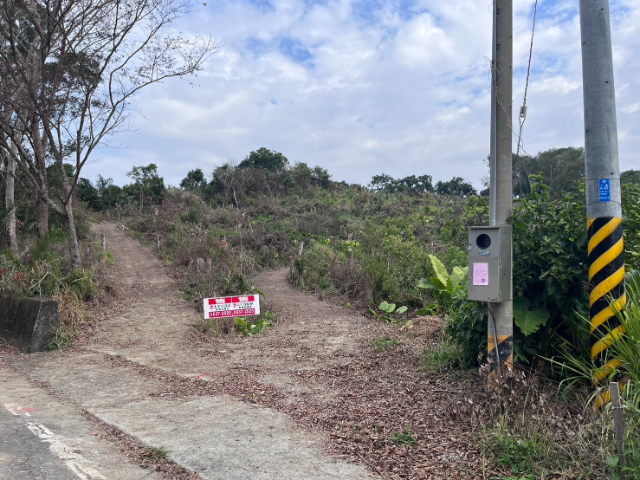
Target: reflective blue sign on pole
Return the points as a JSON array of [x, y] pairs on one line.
[[605, 189]]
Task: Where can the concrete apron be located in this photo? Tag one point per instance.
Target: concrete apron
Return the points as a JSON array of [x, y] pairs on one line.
[[217, 437], [44, 438]]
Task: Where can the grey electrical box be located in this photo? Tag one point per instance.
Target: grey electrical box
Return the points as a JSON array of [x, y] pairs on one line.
[[490, 264]]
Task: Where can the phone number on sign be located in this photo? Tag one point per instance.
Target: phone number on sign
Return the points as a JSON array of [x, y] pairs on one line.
[[233, 313]]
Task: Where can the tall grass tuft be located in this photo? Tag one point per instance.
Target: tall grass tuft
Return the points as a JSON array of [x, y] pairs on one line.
[[627, 351]]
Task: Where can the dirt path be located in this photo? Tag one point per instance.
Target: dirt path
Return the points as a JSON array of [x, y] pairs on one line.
[[267, 407]]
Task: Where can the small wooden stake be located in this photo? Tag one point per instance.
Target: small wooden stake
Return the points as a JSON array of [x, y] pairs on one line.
[[104, 242], [618, 418]]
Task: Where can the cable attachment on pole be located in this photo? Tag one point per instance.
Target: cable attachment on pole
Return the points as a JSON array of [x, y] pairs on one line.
[[523, 108]]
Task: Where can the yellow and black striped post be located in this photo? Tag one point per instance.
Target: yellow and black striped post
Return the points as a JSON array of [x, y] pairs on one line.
[[606, 277], [604, 209]]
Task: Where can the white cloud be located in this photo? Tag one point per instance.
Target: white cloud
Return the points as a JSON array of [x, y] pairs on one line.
[[422, 43], [362, 91]]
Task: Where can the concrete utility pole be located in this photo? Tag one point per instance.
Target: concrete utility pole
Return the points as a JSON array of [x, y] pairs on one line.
[[604, 209], [501, 189]]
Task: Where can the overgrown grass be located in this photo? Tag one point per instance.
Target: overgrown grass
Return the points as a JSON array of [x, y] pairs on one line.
[[42, 269], [578, 370], [62, 340], [528, 429], [382, 344], [447, 355]]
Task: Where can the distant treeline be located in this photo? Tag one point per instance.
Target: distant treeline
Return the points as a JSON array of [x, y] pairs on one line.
[[268, 172]]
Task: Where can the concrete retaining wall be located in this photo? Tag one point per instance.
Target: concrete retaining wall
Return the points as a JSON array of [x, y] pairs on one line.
[[30, 324]]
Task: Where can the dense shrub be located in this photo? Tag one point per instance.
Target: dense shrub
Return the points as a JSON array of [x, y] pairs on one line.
[[313, 269], [45, 270], [393, 260], [550, 266], [631, 223], [550, 270]]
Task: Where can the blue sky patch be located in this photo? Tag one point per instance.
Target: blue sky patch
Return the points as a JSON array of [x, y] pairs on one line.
[[296, 51], [559, 11], [287, 46], [371, 10], [258, 47], [264, 6], [312, 3]]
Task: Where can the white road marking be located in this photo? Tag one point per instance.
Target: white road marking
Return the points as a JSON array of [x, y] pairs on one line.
[[83, 468]]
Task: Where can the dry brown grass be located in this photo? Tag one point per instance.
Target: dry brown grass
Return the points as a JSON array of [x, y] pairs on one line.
[[72, 315]]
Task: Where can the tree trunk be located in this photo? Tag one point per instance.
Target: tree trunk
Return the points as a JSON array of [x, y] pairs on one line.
[[9, 200], [42, 217], [74, 246], [42, 208], [9, 194]]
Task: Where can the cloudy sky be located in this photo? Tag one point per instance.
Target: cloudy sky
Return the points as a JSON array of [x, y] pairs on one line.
[[363, 87]]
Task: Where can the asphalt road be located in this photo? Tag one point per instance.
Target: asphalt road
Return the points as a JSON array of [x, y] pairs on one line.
[[25, 456], [45, 437]]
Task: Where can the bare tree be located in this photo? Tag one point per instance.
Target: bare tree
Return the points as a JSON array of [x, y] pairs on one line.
[[9, 174], [78, 64]]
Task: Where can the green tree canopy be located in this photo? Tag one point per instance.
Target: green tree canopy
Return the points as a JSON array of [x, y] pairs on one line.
[[560, 167], [194, 180], [630, 176], [386, 183], [101, 195], [456, 187], [147, 182], [266, 159]]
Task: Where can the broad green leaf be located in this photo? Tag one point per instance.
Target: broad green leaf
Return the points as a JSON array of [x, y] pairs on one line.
[[425, 283], [428, 310], [435, 281], [613, 461], [391, 308], [383, 306], [461, 272], [401, 310], [529, 321], [440, 270]]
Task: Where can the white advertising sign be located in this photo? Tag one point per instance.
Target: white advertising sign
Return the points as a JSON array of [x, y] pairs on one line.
[[239, 306]]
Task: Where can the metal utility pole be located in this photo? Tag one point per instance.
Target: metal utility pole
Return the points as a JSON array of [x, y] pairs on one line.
[[501, 189], [604, 209]]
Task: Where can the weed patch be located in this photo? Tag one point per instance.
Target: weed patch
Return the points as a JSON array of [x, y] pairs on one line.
[[529, 429], [447, 355], [62, 340], [249, 329], [108, 257], [159, 452], [405, 438], [382, 344]]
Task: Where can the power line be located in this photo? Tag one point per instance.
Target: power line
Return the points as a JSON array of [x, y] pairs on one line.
[[523, 109]]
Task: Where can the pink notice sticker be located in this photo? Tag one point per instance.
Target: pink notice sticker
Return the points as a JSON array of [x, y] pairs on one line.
[[481, 274]]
